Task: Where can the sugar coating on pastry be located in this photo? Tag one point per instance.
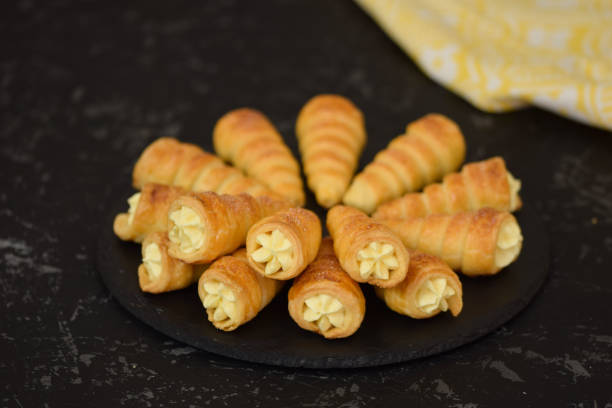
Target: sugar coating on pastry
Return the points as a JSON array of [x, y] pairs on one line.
[[152, 260], [187, 230], [276, 252], [509, 241], [326, 311], [219, 301], [133, 203], [433, 295], [515, 186], [377, 259]]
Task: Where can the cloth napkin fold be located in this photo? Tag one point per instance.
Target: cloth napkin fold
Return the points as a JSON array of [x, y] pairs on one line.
[[503, 55]]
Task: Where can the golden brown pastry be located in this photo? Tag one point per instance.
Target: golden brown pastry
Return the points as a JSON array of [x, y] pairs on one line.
[[247, 139], [331, 133], [430, 287], [481, 184], [159, 272], [168, 161], [367, 250], [431, 147], [204, 226], [282, 245], [148, 212], [233, 293], [476, 243], [324, 299]]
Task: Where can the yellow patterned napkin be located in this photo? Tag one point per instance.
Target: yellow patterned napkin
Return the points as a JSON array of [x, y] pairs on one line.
[[502, 55]]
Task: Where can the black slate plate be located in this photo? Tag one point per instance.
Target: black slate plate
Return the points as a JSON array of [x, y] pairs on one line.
[[384, 337]]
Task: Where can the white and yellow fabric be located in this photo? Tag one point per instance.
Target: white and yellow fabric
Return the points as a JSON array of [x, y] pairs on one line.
[[503, 55]]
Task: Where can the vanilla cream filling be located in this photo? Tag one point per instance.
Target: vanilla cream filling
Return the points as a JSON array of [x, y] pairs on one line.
[[433, 295], [377, 259], [187, 230], [152, 260], [276, 252], [220, 301], [133, 203], [326, 311], [509, 243], [515, 186]]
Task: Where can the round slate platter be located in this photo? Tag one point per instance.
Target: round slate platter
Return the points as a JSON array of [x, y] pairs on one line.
[[383, 338]]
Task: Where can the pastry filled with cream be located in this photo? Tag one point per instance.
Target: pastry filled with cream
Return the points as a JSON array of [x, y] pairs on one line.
[[282, 245], [232, 293], [476, 243], [368, 251], [204, 226], [159, 272], [147, 212], [430, 287], [324, 299]]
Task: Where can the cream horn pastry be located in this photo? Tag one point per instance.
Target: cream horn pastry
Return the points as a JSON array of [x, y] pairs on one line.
[[282, 245], [324, 299], [486, 183], [159, 272], [367, 250], [147, 213], [430, 287], [476, 242], [431, 147], [233, 293], [331, 133], [168, 161], [204, 226], [246, 138]]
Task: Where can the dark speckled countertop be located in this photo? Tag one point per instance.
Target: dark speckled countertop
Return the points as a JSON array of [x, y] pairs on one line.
[[85, 85]]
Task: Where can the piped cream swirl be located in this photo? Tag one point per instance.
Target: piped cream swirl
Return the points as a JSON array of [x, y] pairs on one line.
[[377, 259], [433, 295], [186, 230], [326, 311]]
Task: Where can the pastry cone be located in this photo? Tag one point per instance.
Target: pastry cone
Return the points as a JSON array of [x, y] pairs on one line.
[[481, 184], [168, 161], [233, 293], [148, 212], [476, 243], [282, 245], [431, 147], [324, 299], [331, 134], [367, 250], [430, 287], [248, 140], [203, 226], [159, 272]]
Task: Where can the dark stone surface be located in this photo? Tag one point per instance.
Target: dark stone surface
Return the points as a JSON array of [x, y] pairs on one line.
[[383, 338], [84, 86]]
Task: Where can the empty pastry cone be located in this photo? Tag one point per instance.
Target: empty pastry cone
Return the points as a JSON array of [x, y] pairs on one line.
[[430, 287], [148, 212], [282, 245], [431, 147], [476, 243], [168, 161], [324, 299], [159, 272], [367, 250], [247, 139], [204, 226], [331, 133], [233, 293], [486, 183]]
